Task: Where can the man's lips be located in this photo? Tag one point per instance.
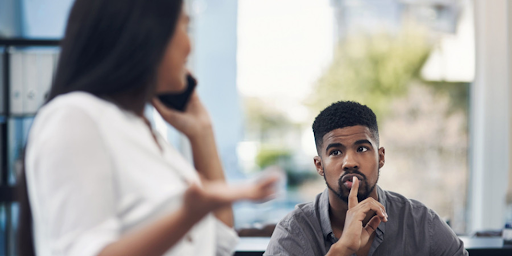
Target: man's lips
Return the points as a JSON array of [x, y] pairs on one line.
[[347, 180], [348, 184]]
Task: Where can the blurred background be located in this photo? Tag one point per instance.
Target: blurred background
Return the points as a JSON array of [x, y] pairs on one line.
[[436, 73]]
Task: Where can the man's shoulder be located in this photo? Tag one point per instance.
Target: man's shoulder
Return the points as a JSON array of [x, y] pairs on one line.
[[298, 233], [303, 213], [403, 204], [416, 228]]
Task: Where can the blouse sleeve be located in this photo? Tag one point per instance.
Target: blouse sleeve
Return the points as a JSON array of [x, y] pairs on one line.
[[227, 239], [71, 185]]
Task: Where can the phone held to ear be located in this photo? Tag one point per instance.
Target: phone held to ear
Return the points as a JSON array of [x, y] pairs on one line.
[[179, 101]]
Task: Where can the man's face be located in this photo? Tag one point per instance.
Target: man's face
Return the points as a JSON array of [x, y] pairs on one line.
[[348, 152]]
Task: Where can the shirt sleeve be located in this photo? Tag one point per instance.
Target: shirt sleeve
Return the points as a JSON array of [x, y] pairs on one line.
[[73, 185], [226, 238], [283, 243], [443, 241]]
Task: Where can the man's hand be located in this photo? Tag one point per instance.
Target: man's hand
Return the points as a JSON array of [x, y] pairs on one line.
[[354, 235]]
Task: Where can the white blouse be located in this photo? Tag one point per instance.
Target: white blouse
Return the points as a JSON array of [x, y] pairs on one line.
[[94, 173]]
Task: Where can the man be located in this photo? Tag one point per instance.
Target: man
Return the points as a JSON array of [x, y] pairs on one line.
[[354, 216]]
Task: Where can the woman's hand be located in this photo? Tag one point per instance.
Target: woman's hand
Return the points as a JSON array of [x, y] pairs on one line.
[[192, 122], [217, 194]]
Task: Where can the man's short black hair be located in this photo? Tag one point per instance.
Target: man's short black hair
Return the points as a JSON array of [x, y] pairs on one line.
[[344, 114]]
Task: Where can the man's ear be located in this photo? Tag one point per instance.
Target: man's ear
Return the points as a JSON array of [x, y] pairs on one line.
[[382, 157], [318, 165]]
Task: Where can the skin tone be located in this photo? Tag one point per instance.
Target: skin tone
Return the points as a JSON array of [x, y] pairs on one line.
[[213, 194], [172, 71], [349, 160]]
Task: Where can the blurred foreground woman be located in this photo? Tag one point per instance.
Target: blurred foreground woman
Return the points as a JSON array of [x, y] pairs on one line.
[[97, 179]]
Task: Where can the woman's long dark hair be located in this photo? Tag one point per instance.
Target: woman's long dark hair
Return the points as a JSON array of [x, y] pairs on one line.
[[110, 48]]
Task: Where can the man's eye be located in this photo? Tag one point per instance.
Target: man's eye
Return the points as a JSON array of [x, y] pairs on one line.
[[362, 149], [335, 152]]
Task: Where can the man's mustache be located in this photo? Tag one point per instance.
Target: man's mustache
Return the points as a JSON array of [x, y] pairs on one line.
[[352, 171]]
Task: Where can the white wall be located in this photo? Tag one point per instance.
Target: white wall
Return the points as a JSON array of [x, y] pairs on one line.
[[509, 193], [489, 116]]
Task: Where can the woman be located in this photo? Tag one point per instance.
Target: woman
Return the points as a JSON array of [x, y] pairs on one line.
[[100, 180]]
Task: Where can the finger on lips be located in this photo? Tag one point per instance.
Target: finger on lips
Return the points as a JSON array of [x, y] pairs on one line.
[[352, 197], [368, 204]]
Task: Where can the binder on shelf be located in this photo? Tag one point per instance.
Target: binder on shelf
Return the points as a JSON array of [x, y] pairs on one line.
[[30, 82], [2, 83], [46, 74], [16, 83], [31, 77], [38, 70], [56, 56]]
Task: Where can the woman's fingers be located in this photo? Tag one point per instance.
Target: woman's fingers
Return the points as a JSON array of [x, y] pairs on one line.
[[221, 193], [164, 111], [213, 195], [191, 122], [261, 190], [268, 181]]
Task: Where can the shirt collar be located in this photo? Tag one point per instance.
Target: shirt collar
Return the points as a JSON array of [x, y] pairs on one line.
[[382, 200], [325, 222], [323, 208]]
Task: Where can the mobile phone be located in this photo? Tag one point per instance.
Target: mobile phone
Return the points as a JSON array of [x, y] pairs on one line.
[[180, 100]]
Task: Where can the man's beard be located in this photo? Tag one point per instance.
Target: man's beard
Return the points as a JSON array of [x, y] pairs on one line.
[[362, 183]]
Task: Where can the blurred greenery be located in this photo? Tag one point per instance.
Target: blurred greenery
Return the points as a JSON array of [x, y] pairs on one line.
[[268, 156], [264, 120], [372, 70], [424, 123], [297, 178], [458, 93]]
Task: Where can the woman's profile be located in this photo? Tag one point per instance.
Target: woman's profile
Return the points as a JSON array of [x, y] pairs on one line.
[[99, 180]]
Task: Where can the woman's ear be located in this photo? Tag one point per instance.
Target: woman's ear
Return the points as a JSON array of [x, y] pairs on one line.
[[318, 164], [382, 157]]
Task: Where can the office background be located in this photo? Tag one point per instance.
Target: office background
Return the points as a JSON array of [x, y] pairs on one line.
[[436, 72]]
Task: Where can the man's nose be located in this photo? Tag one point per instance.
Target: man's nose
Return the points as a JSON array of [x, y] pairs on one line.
[[350, 162]]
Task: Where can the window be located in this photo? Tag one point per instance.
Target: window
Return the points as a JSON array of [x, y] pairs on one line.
[[266, 68], [412, 63]]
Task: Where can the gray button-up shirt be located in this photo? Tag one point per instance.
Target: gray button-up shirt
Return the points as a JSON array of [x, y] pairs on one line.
[[412, 229]]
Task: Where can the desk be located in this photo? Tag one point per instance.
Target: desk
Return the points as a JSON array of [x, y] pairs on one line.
[[476, 246], [486, 246], [252, 246]]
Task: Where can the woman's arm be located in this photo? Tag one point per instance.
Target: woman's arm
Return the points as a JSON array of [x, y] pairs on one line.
[[156, 238], [208, 164], [161, 235], [73, 184], [196, 124]]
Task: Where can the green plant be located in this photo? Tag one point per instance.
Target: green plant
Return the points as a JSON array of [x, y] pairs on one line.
[[372, 70]]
